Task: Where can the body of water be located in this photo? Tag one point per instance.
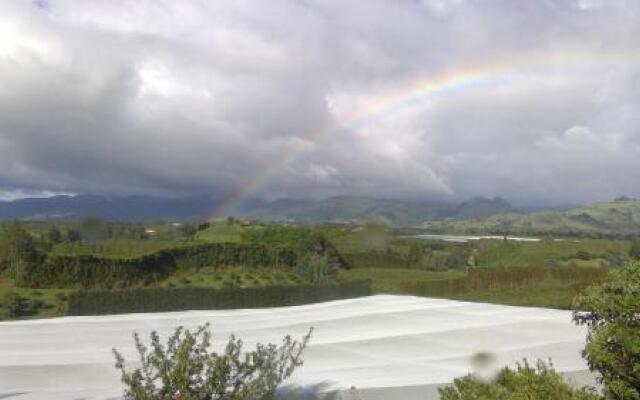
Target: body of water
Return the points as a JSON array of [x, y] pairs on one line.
[[466, 238]]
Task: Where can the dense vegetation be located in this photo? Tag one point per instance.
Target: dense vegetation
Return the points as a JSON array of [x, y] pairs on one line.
[[198, 298], [612, 314], [43, 264], [493, 282], [524, 382]]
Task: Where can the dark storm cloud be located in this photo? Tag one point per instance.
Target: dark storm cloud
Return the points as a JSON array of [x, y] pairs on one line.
[[192, 97]]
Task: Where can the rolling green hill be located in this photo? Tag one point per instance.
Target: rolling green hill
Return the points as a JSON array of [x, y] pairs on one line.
[[616, 218], [396, 212]]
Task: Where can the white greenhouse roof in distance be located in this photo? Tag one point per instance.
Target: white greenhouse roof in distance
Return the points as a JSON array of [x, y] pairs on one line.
[[385, 346]]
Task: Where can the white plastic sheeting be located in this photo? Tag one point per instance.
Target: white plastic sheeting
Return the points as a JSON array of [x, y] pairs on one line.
[[385, 346]]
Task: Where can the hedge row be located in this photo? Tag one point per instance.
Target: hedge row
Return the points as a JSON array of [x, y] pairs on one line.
[[165, 299], [495, 278], [91, 270]]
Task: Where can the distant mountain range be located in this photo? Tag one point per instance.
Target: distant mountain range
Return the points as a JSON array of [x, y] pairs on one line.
[[137, 208], [478, 215], [130, 208]]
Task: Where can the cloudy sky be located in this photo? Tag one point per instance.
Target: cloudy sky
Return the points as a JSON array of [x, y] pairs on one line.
[[535, 101]]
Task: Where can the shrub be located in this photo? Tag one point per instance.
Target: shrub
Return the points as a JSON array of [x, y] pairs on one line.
[[54, 236], [614, 260], [584, 255], [187, 369], [634, 251], [612, 314], [316, 269], [17, 249], [16, 305], [523, 382]]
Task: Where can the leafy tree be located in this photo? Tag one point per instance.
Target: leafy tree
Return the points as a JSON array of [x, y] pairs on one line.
[[634, 251], [204, 225], [73, 236], [186, 369], [4, 250], [315, 268], [54, 235], [17, 249], [612, 314], [522, 383], [317, 259]]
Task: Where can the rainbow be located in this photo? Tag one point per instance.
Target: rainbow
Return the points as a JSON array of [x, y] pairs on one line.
[[505, 72]]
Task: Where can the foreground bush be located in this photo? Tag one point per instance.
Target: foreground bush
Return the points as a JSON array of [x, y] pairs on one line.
[[525, 382], [186, 369], [612, 314]]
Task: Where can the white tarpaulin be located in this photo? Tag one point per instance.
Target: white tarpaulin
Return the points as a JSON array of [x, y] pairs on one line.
[[385, 346]]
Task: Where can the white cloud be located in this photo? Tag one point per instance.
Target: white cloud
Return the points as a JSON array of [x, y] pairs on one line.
[[321, 98], [581, 143]]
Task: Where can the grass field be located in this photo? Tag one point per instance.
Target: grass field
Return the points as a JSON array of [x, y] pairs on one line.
[[221, 232], [584, 252], [232, 277]]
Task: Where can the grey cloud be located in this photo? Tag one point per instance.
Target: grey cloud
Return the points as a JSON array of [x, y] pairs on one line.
[[163, 97]]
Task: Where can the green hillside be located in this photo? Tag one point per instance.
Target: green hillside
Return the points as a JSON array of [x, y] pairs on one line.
[[616, 218], [394, 211]]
